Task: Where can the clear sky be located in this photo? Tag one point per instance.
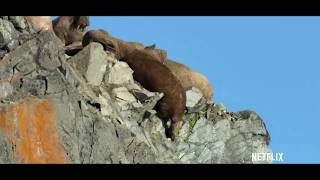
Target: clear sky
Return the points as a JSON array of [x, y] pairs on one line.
[[266, 64]]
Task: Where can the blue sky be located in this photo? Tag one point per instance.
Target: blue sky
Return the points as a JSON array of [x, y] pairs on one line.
[[267, 64]]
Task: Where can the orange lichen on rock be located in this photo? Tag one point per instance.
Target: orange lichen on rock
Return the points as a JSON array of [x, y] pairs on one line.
[[31, 127]]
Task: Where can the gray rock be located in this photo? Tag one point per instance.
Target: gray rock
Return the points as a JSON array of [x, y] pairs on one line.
[[2, 53], [123, 96], [35, 87], [119, 74], [5, 89], [50, 55], [26, 66], [14, 43], [195, 102], [7, 32], [91, 62], [224, 141], [19, 22], [193, 97], [55, 83]]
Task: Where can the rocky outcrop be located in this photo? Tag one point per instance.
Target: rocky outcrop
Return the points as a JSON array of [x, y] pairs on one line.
[[87, 108]]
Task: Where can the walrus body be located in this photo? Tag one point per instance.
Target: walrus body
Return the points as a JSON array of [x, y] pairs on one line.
[[40, 23], [156, 77], [190, 78], [118, 46], [160, 54], [71, 29]]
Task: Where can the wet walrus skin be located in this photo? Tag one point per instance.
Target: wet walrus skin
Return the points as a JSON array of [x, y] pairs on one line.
[[71, 29], [40, 23], [156, 77]]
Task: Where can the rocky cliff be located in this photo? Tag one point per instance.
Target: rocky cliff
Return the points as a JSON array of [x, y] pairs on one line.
[[87, 108]]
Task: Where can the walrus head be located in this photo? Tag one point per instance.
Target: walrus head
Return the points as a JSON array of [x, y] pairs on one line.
[[71, 29], [80, 23]]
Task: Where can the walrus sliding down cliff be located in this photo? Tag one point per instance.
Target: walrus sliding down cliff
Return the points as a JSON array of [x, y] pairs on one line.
[[156, 77], [71, 29], [40, 23], [187, 77]]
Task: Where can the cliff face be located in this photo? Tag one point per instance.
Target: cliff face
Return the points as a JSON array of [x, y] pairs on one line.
[[88, 109]]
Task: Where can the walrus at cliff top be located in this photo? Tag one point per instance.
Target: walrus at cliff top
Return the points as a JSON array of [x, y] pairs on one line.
[[187, 77], [118, 46], [156, 77], [190, 78], [40, 23], [71, 29]]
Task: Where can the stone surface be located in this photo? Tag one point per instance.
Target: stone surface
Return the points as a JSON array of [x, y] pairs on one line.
[[123, 96], [91, 62], [193, 97], [5, 89], [119, 74], [7, 32]]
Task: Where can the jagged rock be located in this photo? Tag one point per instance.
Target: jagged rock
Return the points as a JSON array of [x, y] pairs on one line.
[[14, 43], [223, 141], [50, 56], [119, 74], [19, 22], [26, 66], [7, 32], [195, 101], [54, 110], [5, 89], [123, 96], [2, 53], [193, 97], [91, 62]]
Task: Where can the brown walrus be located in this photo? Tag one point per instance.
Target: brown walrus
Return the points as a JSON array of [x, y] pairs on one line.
[[71, 29], [156, 77], [158, 53], [118, 46], [40, 23], [190, 78], [187, 77]]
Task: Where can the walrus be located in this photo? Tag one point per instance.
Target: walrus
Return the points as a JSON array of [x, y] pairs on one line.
[[71, 29], [160, 54], [187, 77], [118, 46], [156, 77], [190, 78], [40, 23]]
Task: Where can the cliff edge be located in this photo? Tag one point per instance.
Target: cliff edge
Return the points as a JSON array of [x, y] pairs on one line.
[[87, 108]]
